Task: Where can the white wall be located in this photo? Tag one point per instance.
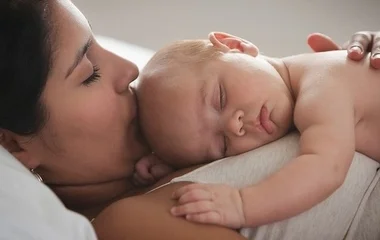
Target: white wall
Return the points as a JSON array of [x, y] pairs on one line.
[[277, 27]]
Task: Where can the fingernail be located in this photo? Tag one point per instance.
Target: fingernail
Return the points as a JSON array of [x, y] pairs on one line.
[[375, 61], [173, 211], [356, 49]]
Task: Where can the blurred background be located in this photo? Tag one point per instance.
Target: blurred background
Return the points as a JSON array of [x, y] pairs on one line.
[[277, 27]]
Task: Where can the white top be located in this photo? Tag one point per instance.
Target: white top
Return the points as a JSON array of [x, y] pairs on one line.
[[330, 219]]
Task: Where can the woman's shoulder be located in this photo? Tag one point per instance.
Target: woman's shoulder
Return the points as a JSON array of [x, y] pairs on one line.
[[147, 217]]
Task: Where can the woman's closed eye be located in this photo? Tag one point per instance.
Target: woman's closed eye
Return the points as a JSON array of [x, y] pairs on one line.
[[93, 77]]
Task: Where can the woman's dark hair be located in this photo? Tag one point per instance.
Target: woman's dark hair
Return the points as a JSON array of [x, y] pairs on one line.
[[25, 63]]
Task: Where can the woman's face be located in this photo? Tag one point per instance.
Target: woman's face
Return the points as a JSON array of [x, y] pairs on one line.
[[91, 136]]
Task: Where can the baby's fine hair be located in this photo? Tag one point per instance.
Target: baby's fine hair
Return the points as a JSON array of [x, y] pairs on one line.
[[190, 54]]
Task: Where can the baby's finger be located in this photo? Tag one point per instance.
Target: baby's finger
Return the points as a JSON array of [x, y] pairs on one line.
[[192, 208], [358, 45], [195, 195], [211, 217], [375, 52], [160, 170], [142, 168], [181, 191], [140, 181]]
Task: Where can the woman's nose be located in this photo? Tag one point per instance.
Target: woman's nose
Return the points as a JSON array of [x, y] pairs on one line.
[[234, 124], [129, 72]]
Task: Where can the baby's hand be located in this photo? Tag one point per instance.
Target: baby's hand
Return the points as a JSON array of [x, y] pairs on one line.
[[210, 203], [149, 169]]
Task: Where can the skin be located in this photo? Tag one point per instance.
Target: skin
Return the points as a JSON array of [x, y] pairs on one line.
[[88, 147], [335, 114], [221, 117], [357, 47], [153, 214], [87, 151], [82, 149]]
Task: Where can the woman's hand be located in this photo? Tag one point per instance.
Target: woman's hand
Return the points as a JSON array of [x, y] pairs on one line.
[[357, 47]]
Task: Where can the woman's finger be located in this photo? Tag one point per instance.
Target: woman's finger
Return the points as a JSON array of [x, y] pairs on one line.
[[375, 52], [358, 45], [321, 43]]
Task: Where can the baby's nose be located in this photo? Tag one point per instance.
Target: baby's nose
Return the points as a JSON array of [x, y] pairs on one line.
[[235, 123]]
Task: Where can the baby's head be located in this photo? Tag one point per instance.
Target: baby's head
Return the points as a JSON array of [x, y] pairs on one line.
[[201, 100]]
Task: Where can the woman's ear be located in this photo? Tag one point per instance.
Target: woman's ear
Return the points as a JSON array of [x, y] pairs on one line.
[[227, 42], [13, 144]]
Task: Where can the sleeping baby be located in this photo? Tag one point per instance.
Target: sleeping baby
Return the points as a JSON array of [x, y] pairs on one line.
[[202, 100]]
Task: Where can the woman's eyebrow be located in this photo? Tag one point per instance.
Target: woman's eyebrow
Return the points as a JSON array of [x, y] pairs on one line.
[[79, 56]]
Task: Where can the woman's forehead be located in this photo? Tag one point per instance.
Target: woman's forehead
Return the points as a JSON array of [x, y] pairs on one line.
[[71, 32], [69, 20]]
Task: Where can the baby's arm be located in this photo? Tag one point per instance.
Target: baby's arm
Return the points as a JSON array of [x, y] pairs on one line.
[[147, 217], [324, 115]]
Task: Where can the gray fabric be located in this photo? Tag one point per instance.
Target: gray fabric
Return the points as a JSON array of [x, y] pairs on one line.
[[332, 219], [367, 220]]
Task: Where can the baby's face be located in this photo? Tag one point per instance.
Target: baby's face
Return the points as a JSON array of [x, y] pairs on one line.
[[232, 105]]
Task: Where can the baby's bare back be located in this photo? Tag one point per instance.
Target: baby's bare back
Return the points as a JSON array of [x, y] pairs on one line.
[[364, 84]]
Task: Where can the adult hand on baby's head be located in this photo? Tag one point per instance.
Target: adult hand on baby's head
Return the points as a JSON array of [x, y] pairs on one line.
[[357, 47], [149, 169]]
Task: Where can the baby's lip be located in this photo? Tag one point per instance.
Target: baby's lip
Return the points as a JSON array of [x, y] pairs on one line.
[[265, 121]]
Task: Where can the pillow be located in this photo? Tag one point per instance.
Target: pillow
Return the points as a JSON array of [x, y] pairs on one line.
[[29, 209]]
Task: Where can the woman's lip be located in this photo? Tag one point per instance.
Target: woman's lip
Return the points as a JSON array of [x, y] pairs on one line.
[[265, 121]]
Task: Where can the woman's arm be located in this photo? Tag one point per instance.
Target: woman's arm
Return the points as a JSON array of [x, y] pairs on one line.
[[148, 217]]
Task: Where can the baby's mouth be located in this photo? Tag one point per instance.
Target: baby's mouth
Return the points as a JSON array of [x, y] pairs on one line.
[[265, 121]]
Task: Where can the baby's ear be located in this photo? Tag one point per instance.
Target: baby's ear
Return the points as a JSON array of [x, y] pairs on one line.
[[228, 42]]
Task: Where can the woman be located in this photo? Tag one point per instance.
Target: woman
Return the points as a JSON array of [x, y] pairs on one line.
[[67, 114]]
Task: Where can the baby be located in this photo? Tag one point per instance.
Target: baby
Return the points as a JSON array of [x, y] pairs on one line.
[[205, 100]]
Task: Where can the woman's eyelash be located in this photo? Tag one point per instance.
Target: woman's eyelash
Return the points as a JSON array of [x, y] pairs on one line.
[[94, 76]]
